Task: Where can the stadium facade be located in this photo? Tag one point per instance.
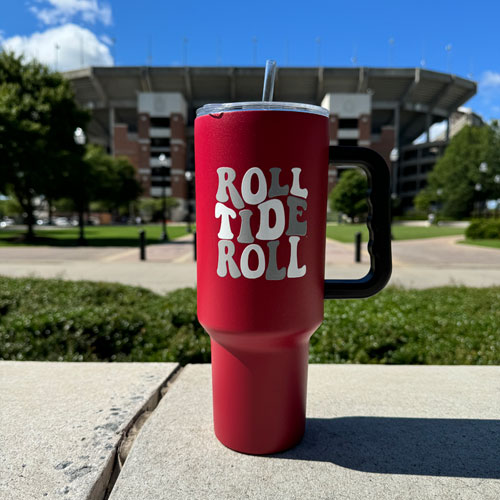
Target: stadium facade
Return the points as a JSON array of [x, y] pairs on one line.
[[147, 114]]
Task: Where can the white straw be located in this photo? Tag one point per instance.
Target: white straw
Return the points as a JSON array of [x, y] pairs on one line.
[[269, 76]]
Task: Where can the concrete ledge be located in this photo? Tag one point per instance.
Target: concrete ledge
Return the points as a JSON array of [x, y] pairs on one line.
[[61, 424], [413, 432], [373, 431]]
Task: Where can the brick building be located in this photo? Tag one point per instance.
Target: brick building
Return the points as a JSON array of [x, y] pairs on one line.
[[147, 113]]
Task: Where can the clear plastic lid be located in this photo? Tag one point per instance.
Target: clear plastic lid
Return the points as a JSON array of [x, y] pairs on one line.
[[212, 109]]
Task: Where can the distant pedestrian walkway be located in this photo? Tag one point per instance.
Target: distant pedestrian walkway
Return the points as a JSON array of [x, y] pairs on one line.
[[420, 263]]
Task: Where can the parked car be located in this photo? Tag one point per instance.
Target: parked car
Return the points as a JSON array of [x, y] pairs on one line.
[[6, 221], [61, 221]]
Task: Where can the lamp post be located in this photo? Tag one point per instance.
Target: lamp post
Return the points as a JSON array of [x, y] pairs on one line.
[[393, 158], [163, 163], [80, 139], [478, 187], [439, 194], [496, 180], [189, 180]]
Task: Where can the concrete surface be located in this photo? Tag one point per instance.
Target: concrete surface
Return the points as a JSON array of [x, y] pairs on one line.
[[373, 432], [416, 264], [61, 424], [158, 277], [444, 252]]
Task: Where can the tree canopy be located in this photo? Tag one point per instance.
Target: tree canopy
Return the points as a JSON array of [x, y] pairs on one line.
[[110, 180], [39, 156], [38, 116], [466, 175], [350, 193]]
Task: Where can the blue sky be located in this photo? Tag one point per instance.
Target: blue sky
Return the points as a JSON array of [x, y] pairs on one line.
[[74, 33]]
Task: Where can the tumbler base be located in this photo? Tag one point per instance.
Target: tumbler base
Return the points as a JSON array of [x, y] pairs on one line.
[[259, 396]]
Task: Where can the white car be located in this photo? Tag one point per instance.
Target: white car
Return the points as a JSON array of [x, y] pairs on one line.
[[61, 221], [6, 221]]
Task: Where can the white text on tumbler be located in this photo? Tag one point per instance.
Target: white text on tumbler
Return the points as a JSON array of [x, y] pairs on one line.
[[264, 198]]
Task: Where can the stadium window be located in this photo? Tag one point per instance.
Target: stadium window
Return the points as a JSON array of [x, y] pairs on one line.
[[348, 123], [348, 142], [160, 142], [160, 171], [160, 183], [160, 122]]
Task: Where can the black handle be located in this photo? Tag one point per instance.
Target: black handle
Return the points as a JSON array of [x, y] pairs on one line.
[[378, 222]]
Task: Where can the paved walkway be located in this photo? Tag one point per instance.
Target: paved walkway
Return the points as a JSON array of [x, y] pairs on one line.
[[444, 252], [73, 430], [417, 263]]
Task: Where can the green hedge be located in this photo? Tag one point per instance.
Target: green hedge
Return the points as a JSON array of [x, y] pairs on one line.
[[84, 321], [483, 229]]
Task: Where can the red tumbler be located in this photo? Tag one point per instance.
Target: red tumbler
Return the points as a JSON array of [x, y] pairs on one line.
[[261, 193]]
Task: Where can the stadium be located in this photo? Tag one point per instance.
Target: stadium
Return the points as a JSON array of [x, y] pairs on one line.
[[147, 114]]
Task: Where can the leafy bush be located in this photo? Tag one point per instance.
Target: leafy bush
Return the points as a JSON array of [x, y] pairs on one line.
[[482, 229], [83, 321], [448, 325]]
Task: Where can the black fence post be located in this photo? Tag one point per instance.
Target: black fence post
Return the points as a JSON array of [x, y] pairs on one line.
[[194, 246], [357, 257], [142, 244]]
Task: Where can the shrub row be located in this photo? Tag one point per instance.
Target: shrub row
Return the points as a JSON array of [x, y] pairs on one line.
[[83, 321], [482, 229]]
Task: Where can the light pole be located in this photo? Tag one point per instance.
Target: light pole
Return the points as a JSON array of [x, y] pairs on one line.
[[391, 51], [163, 163], [79, 136], [439, 194], [189, 180], [80, 139], [478, 188], [394, 204], [496, 193]]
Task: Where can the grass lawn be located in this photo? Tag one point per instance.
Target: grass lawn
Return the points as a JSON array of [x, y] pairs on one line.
[[97, 236], [345, 232], [482, 243]]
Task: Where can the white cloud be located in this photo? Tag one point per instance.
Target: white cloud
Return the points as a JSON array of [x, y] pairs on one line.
[[62, 11], [436, 131], [490, 79], [77, 47], [107, 40], [487, 100]]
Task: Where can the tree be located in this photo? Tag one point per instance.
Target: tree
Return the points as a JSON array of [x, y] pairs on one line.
[[464, 177], [350, 193], [101, 178], [111, 180], [150, 209], [38, 116], [9, 207], [424, 201]]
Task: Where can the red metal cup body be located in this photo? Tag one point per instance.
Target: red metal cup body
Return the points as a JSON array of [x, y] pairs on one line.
[[260, 247]]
